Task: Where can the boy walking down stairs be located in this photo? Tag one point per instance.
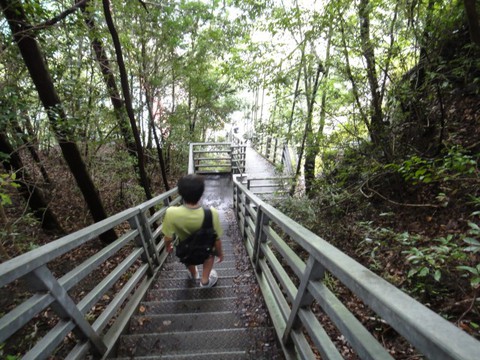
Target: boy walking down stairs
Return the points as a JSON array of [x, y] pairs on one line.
[[184, 221]]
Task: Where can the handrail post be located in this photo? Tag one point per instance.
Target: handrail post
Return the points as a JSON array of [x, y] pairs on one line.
[[246, 215], [267, 147], [143, 240], [260, 237], [42, 279], [313, 271], [191, 160], [244, 157], [238, 200], [233, 159], [275, 151]]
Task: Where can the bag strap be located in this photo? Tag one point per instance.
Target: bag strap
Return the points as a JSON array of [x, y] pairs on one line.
[[207, 220]]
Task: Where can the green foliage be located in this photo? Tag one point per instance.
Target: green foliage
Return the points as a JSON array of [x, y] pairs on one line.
[[456, 163], [22, 233], [472, 238], [301, 210], [7, 356], [432, 260], [473, 273], [414, 169], [6, 180]]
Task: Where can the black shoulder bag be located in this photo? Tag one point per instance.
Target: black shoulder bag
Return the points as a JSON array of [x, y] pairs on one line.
[[196, 248]]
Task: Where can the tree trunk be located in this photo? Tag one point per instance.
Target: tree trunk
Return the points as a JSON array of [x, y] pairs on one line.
[[4, 222], [105, 68], [311, 147], [377, 127], [33, 58], [128, 101], [33, 195], [294, 102], [32, 150], [157, 141], [473, 23]]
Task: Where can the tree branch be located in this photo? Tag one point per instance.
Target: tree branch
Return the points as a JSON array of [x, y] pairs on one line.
[[144, 5], [392, 201], [60, 16]]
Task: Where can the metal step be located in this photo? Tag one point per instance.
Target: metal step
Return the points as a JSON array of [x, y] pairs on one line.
[[230, 355], [181, 343], [220, 290], [144, 324], [188, 306], [183, 275], [175, 283], [177, 265]]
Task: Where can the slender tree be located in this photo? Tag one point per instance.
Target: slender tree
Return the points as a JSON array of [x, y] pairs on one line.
[[473, 21], [109, 78], [377, 125], [128, 101], [32, 194], [27, 139]]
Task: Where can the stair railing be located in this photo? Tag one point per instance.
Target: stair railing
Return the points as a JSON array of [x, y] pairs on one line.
[[277, 152], [223, 157], [96, 315], [292, 285]]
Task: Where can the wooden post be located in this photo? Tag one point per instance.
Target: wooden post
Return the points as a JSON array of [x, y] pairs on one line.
[[260, 237], [42, 279], [313, 271]]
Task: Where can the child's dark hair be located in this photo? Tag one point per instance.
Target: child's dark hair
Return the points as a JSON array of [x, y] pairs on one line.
[[191, 187]]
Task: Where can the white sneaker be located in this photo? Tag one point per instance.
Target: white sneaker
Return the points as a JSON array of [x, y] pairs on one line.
[[197, 276], [212, 280]]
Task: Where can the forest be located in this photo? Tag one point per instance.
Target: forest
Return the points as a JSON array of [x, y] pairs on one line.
[[380, 100]]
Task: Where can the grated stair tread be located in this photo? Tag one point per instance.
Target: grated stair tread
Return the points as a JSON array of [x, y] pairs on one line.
[[176, 283], [230, 355], [192, 341], [144, 324], [182, 273], [189, 306], [230, 264], [218, 291]]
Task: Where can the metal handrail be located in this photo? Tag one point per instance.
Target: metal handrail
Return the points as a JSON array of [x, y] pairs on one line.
[[290, 286], [220, 157], [276, 151], [144, 255]]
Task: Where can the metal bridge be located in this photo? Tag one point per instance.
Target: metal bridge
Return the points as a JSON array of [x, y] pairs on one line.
[[131, 300]]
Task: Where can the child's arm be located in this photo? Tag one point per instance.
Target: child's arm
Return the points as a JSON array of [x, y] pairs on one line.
[[168, 243]]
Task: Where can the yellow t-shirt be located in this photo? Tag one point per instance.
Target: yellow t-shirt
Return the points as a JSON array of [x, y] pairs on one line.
[[182, 221]]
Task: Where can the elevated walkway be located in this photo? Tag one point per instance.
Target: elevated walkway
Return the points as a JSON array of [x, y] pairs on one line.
[[130, 299]]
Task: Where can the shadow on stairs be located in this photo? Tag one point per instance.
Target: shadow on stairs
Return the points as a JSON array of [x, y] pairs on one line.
[[179, 320]]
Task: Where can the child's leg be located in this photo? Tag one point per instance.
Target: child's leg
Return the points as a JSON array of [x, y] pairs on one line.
[[207, 268], [193, 271]]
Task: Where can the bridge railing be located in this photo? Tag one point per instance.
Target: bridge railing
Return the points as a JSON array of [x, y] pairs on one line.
[[269, 187], [294, 267], [91, 302], [277, 152], [222, 157]]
